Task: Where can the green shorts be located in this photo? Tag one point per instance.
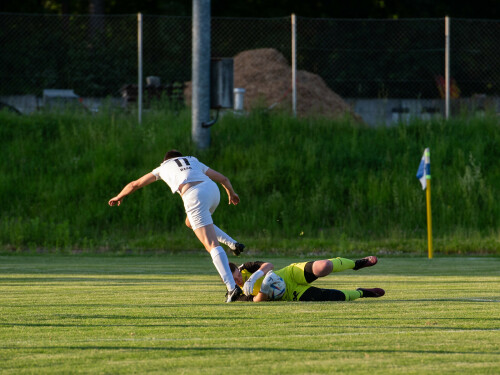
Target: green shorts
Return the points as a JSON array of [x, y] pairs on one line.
[[296, 283]]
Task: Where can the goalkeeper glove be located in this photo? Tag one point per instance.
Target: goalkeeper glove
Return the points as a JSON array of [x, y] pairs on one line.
[[249, 284]]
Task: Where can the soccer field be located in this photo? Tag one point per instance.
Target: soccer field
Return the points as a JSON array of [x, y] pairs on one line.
[[165, 314]]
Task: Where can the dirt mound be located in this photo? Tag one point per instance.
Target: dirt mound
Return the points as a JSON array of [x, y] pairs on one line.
[[266, 77]]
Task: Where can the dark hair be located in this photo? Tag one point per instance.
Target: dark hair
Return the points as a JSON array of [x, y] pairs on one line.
[[233, 267], [172, 154]]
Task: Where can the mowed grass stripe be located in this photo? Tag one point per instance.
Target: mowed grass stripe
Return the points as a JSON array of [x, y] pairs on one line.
[[101, 316]]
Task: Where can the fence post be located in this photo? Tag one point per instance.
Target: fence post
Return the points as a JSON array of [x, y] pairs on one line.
[[447, 66], [139, 69], [294, 64], [201, 73]]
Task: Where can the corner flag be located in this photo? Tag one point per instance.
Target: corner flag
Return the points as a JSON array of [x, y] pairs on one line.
[[424, 169], [424, 176]]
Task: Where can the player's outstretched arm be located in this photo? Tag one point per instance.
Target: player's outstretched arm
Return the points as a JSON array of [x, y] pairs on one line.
[[131, 187], [224, 181]]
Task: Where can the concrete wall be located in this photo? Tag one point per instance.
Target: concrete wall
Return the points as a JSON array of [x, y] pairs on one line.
[[23, 103], [375, 112], [27, 104]]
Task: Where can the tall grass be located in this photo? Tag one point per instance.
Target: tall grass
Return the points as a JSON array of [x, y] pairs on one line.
[[308, 183]]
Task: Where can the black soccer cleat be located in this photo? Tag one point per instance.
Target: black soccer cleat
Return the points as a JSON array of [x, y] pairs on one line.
[[374, 292], [232, 295], [238, 248], [365, 262]]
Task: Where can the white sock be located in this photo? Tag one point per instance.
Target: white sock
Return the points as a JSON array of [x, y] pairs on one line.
[[221, 263], [224, 238]]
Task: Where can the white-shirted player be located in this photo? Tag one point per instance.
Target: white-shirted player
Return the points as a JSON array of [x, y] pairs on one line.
[[194, 181]]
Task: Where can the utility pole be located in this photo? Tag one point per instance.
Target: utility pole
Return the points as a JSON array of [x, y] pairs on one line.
[[200, 104]]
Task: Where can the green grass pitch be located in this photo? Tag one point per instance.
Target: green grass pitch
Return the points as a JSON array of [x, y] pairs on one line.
[[165, 314]]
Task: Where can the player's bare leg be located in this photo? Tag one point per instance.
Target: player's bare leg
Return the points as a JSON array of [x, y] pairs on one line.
[[322, 268], [208, 238]]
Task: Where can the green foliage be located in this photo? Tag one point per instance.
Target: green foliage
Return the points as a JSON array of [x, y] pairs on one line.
[[305, 184], [164, 314]]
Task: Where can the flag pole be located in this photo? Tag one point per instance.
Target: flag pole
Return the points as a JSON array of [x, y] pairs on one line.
[[429, 217], [428, 198]]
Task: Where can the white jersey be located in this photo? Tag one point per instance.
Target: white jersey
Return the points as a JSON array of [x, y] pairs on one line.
[[181, 170]]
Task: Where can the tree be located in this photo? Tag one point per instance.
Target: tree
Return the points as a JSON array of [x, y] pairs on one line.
[[488, 9]]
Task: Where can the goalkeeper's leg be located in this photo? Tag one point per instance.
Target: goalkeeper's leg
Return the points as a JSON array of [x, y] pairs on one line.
[[322, 268], [342, 264], [318, 294]]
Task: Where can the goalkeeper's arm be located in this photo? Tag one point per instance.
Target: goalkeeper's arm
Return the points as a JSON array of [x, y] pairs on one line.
[[264, 288], [261, 272], [261, 297]]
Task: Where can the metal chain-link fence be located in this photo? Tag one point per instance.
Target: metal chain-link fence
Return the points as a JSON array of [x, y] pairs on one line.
[[92, 55], [374, 58], [97, 56], [475, 51]]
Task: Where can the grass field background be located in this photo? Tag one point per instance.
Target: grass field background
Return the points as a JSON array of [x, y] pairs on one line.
[[165, 314]]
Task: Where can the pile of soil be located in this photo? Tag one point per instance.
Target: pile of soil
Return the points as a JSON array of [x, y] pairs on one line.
[[266, 76]]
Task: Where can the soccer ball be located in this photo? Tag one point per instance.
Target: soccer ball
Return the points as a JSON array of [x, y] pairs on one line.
[[278, 287]]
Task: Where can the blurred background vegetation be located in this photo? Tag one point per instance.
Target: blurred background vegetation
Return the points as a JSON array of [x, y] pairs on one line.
[[260, 8], [306, 185]]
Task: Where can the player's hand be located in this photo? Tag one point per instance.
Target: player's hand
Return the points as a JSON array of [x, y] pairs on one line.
[[115, 201], [248, 287], [234, 199], [249, 284]]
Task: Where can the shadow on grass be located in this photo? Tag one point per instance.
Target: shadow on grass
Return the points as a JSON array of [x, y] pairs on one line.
[[244, 350]]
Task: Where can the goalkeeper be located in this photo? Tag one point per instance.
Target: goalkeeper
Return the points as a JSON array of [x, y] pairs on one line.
[[254, 278]]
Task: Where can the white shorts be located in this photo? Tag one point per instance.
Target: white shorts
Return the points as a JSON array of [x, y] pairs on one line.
[[200, 202]]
